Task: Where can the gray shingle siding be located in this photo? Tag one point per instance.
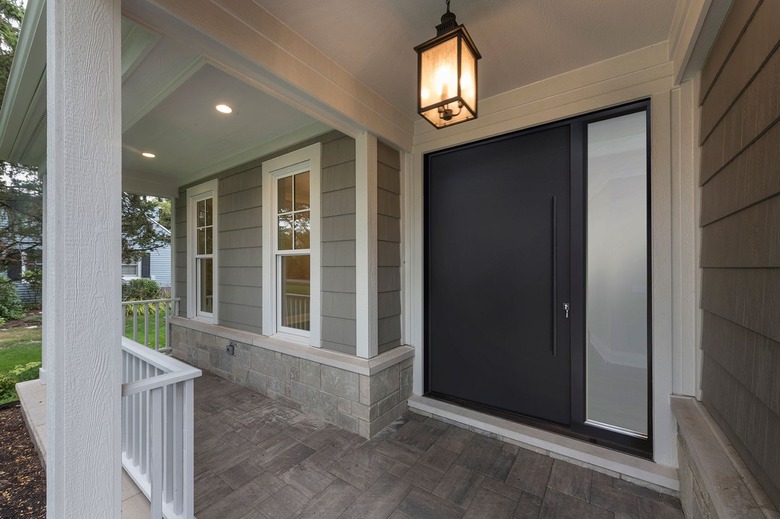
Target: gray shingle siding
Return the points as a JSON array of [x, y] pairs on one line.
[[388, 247], [740, 257], [180, 246], [338, 245], [239, 225]]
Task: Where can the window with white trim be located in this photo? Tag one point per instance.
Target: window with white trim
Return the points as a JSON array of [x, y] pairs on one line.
[[202, 247], [291, 262]]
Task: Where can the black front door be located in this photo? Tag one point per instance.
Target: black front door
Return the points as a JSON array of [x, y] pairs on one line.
[[497, 274]]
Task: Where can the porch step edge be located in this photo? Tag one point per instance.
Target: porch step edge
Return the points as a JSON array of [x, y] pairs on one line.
[[617, 464], [32, 397]]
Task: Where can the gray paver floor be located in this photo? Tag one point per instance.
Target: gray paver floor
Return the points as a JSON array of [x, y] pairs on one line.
[[259, 458]]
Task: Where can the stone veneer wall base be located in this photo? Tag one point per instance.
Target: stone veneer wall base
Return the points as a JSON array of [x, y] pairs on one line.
[[362, 396], [714, 481]]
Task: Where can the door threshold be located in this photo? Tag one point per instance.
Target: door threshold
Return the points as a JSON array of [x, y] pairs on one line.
[[616, 464]]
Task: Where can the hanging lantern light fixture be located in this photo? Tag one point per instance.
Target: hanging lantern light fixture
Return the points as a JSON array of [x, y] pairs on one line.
[[447, 74]]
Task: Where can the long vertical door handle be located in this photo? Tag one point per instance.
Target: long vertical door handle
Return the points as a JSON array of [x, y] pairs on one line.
[[554, 276]]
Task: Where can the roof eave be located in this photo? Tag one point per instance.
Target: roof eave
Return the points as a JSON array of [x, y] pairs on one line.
[[22, 117]]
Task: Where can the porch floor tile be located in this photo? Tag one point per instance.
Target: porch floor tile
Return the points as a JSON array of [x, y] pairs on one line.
[[257, 457]]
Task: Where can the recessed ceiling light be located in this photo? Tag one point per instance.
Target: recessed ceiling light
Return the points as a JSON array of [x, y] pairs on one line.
[[225, 109], [148, 155]]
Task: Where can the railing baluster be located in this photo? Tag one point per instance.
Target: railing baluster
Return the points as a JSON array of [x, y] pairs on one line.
[[146, 324], [156, 326], [135, 322], [156, 442]]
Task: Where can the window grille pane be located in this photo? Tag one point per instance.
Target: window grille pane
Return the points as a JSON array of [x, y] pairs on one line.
[[201, 241], [130, 269], [208, 204], [285, 240], [285, 194], [302, 226], [296, 291], [209, 242], [205, 285], [201, 207], [302, 196]]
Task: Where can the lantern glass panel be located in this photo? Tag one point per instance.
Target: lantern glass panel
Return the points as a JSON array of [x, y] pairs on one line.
[[439, 73], [468, 74]]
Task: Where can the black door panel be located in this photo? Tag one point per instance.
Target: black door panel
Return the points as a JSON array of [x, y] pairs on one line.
[[497, 238]]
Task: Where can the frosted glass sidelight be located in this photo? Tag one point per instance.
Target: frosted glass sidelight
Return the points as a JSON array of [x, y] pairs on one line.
[[616, 281]]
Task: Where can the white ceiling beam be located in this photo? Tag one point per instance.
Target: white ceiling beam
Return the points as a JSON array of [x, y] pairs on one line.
[[261, 150], [137, 43], [151, 184]]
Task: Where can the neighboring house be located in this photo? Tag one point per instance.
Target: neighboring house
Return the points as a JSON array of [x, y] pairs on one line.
[[18, 262], [594, 258], [154, 265]]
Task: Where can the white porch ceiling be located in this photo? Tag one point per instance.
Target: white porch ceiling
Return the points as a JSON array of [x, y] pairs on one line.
[[169, 91], [521, 41], [169, 88]]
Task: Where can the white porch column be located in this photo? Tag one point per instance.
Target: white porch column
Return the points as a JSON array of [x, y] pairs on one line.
[[83, 239], [367, 321]]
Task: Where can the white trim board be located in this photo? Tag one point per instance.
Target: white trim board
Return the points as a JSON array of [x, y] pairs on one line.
[[601, 459], [197, 192], [313, 156]]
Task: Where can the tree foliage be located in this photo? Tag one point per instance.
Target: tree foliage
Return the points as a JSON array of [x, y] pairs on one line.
[[146, 221], [11, 14], [142, 231]]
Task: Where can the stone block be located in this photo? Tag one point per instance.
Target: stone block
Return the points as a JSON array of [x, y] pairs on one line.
[[345, 405], [214, 359], [364, 429], [257, 381], [225, 361], [406, 382], [340, 382], [275, 385], [347, 422], [384, 405], [289, 359], [384, 383], [408, 363], [361, 411], [243, 354], [310, 373], [365, 390], [321, 404], [240, 374], [261, 360], [298, 391], [387, 418], [221, 343]]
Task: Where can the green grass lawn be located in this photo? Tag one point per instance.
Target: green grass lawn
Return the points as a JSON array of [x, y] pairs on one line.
[[18, 346], [140, 329]]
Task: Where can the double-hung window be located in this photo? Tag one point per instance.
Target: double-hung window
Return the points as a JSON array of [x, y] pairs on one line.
[[291, 245], [202, 247]]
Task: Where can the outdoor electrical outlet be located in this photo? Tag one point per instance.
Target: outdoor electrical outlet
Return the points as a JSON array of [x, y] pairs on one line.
[[231, 348]]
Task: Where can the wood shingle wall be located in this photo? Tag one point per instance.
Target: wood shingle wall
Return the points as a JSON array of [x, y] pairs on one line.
[[740, 220]]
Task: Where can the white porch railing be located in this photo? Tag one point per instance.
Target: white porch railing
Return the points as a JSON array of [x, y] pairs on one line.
[[151, 313], [157, 428], [296, 311]]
